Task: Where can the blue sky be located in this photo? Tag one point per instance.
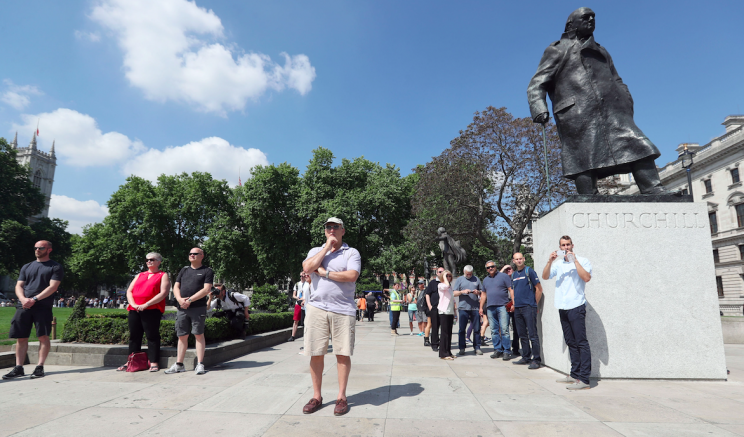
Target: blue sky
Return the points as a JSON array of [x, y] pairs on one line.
[[149, 87]]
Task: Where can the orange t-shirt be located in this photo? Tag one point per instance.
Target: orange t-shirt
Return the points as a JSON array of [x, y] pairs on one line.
[[362, 303]]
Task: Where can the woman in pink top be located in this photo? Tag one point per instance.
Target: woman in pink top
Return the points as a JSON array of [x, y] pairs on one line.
[[146, 297], [446, 310]]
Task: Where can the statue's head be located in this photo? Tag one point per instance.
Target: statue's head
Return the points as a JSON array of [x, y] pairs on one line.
[[441, 230], [581, 23]]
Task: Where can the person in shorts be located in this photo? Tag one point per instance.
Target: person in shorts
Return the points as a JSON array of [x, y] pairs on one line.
[[36, 285], [421, 307], [193, 284], [331, 311]]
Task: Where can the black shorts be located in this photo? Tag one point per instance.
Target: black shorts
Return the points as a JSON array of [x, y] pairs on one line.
[[41, 316]]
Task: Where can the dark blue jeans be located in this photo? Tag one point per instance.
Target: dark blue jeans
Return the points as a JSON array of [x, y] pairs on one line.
[[573, 322], [526, 321], [474, 317]]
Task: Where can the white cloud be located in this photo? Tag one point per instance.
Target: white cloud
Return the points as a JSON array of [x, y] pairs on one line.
[[78, 212], [79, 141], [17, 96], [170, 53], [89, 36], [213, 155]]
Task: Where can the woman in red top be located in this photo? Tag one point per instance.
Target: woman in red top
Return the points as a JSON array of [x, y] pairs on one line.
[[146, 297]]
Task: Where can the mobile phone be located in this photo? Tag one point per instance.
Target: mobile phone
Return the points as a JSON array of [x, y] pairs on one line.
[[561, 252]]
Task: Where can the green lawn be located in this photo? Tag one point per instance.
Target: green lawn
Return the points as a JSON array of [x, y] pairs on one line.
[[6, 315]]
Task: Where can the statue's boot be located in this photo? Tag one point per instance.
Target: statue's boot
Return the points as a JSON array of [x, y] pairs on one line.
[[646, 176], [586, 183]]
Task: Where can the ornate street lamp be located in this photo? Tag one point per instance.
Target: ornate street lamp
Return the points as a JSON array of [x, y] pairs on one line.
[[686, 157]]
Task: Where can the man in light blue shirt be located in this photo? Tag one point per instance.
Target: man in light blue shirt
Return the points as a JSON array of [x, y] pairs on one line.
[[572, 273]]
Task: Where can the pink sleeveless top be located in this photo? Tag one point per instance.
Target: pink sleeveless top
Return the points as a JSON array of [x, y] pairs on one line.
[[145, 289]]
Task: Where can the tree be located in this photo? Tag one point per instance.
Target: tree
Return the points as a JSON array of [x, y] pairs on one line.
[[98, 259], [488, 184]]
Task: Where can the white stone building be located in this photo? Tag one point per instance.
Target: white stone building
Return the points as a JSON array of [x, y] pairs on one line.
[[42, 170], [717, 174]]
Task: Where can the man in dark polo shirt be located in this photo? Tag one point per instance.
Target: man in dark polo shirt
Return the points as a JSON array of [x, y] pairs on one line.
[[192, 286], [37, 282], [432, 293], [527, 293]]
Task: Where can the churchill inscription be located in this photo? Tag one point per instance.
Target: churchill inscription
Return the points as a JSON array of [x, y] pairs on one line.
[[647, 220]]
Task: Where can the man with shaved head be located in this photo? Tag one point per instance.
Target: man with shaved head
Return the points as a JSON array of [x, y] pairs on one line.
[[193, 284], [593, 111], [37, 282], [527, 294]]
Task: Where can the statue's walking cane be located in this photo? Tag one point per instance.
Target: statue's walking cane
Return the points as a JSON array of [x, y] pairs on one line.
[[547, 174]]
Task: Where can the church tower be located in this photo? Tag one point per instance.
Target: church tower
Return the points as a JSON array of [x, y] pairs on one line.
[[42, 166]]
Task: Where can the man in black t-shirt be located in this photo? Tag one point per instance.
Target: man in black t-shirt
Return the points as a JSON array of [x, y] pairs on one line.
[[191, 288], [37, 283], [371, 306], [432, 291]]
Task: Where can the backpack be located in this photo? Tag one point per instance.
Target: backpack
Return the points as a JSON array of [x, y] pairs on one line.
[[230, 295], [527, 274]]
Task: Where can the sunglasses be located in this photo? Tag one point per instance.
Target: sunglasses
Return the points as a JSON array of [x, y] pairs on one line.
[[152, 260], [334, 227], [194, 254], [40, 248]]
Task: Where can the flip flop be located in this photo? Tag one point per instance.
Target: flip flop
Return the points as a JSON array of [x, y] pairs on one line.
[[154, 368], [122, 368]]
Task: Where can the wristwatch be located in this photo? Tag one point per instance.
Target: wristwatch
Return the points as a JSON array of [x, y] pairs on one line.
[[328, 272], [188, 299], [36, 299]]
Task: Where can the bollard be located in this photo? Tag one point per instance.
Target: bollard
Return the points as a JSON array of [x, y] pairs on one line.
[[54, 328]]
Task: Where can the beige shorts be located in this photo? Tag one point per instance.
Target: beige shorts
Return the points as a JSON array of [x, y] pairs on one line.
[[320, 325]]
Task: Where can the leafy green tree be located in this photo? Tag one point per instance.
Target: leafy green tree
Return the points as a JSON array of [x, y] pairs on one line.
[[97, 259], [268, 298]]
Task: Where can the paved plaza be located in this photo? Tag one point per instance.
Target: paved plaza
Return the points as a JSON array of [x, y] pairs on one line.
[[397, 388]]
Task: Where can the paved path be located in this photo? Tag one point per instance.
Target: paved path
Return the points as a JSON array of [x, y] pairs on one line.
[[397, 388]]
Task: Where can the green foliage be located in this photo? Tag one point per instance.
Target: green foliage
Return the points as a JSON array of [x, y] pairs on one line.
[[78, 311], [368, 285], [268, 298], [112, 328], [97, 259]]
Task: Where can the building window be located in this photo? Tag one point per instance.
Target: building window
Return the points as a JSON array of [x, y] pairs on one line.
[[37, 179], [719, 285], [716, 258], [713, 222], [685, 192], [735, 175], [740, 214], [741, 251], [708, 186]]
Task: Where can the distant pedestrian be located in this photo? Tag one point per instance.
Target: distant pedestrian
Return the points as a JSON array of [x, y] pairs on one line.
[[498, 292], [146, 297], [432, 301], [334, 268], [412, 307], [362, 307], [527, 294], [192, 285], [395, 306], [574, 272], [468, 288], [299, 307], [446, 310], [371, 306], [235, 306], [37, 283]]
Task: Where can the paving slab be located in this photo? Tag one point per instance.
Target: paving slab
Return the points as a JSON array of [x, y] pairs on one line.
[[393, 379]]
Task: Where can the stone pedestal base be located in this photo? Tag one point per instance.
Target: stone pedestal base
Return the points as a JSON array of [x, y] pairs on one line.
[[652, 308]]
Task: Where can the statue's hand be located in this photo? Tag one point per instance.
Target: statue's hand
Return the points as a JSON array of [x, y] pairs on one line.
[[542, 118]]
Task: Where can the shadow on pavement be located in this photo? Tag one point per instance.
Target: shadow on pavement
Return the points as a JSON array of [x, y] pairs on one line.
[[378, 396], [240, 365]]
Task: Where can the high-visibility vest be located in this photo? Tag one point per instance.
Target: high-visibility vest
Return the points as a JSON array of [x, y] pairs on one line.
[[394, 306]]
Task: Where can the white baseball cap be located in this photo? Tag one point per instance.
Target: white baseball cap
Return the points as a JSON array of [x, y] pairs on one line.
[[335, 220]]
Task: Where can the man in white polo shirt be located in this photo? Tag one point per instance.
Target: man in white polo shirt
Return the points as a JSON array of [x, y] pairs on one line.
[[572, 273], [331, 311]]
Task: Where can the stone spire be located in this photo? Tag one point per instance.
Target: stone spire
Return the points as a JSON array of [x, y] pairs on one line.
[[52, 151], [33, 142], [14, 144]]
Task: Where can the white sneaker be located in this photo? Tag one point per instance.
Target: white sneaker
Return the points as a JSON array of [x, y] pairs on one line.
[[413, 333], [175, 368], [200, 369]]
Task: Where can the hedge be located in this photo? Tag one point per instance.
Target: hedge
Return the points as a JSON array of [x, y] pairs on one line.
[[114, 329]]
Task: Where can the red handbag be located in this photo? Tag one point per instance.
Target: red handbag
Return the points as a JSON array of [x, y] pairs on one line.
[[137, 361]]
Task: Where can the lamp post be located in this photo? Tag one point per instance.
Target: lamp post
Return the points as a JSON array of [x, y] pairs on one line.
[[686, 157]]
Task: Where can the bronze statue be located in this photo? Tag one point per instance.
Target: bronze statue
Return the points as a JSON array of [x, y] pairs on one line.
[[593, 111], [452, 252]]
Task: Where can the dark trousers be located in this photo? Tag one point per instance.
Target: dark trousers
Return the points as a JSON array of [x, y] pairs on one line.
[[145, 322], [526, 320], [473, 317], [515, 334], [434, 335], [445, 343], [573, 322], [237, 322], [370, 314], [396, 320]]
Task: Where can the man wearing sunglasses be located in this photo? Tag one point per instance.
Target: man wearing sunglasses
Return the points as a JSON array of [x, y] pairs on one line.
[[497, 286], [330, 310], [193, 284], [37, 282]]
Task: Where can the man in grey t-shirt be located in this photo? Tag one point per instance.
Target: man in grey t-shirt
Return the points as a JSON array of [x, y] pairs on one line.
[[497, 287], [468, 288]]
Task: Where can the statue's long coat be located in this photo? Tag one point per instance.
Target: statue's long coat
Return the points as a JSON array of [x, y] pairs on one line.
[[592, 107]]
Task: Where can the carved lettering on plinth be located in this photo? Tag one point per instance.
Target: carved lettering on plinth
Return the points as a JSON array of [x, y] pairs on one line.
[[645, 220]]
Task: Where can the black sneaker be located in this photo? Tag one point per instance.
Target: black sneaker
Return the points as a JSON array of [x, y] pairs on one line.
[[17, 372], [497, 354], [435, 348], [461, 353], [426, 342], [534, 365], [291, 339], [38, 372], [521, 362], [507, 356]]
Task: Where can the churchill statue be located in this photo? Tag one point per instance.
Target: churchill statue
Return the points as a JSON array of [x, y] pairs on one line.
[[593, 111]]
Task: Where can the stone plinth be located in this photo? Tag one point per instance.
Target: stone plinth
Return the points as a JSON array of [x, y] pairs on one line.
[[652, 307]]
